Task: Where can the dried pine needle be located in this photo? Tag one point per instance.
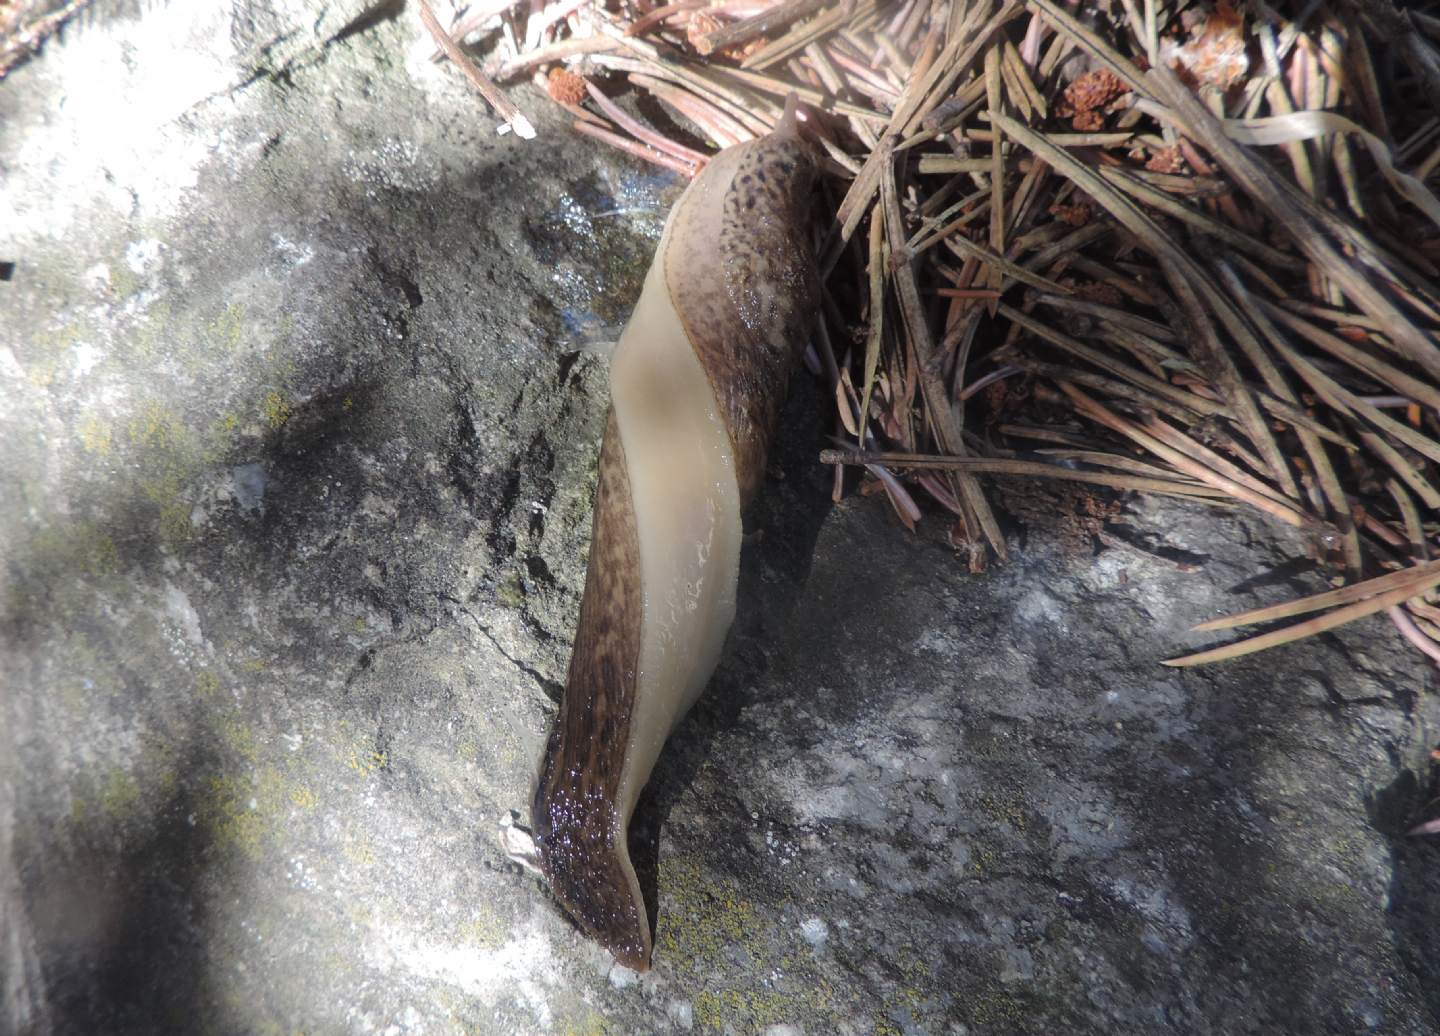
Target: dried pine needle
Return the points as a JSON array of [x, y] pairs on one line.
[[1243, 281]]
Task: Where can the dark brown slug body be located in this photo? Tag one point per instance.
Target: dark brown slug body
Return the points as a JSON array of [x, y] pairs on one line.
[[697, 384]]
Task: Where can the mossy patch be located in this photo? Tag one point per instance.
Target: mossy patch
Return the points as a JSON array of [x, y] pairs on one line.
[[95, 435], [226, 811], [61, 567], [276, 409], [77, 547], [511, 590], [591, 1024], [169, 456], [721, 942], [207, 685], [46, 357], [367, 762], [245, 812], [226, 331]]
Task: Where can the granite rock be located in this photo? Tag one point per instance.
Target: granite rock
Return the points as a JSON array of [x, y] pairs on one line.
[[296, 456]]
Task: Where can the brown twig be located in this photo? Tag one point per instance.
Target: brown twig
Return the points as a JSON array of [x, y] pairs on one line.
[[510, 115]]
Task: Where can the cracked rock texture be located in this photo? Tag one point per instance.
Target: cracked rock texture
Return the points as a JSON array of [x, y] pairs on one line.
[[295, 476]]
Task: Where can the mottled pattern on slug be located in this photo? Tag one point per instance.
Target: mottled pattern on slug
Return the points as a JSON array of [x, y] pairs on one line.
[[574, 807], [750, 334], [696, 384]]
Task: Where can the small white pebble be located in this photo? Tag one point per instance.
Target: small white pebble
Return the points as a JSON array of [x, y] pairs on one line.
[[622, 977], [814, 931], [681, 1013]]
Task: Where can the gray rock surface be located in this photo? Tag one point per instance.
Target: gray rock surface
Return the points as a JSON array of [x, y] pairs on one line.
[[296, 482]]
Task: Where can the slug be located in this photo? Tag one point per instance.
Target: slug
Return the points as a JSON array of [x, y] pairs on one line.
[[696, 382]]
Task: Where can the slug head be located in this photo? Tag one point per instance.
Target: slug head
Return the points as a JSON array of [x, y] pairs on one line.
[[740, 267]]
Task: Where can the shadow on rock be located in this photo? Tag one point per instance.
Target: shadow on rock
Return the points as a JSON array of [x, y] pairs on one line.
[[119, 922], [1414, 907]]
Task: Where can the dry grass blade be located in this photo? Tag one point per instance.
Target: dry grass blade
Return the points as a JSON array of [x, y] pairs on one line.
[[917, 331], [21, 35], [879, 261], [504, 107], [1200, 125], [1212, 356], [1259, 332], [1133, 186], [638, 150], [1189, 400], [1368, 606], [644, 133], [1181, 462], [756, 25], [1000, 265], [1001, 466], [1072, 28], [1404, 384]]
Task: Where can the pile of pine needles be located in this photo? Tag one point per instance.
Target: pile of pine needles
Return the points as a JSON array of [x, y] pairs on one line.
[[1168, 246], [26, 24]]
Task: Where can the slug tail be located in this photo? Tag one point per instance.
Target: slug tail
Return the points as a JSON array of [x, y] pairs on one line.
[[579, 832]]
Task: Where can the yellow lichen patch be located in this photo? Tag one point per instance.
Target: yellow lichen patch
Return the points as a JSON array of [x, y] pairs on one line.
[[243, 812], [273, 790], [117, 795], [276, 409], [175, 525], [593, 1024], [759, 1008], [152, 337], [169, 457], [983, 861], [95, 436], [302, 797], [85, 673], [207, 684], [703, 921], [359, 851], [46, 356], [124, 281], [230, 810], [226, 330], [157, 427], [1005, 807], [74, 548], [914, 987], [709, 914], [239, 738], [365, 763], [511, 591], [487, 931], [997, 1010], [270, 1027], [219, 438]]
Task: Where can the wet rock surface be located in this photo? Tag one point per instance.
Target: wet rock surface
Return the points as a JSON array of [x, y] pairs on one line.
[[296, 485]]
